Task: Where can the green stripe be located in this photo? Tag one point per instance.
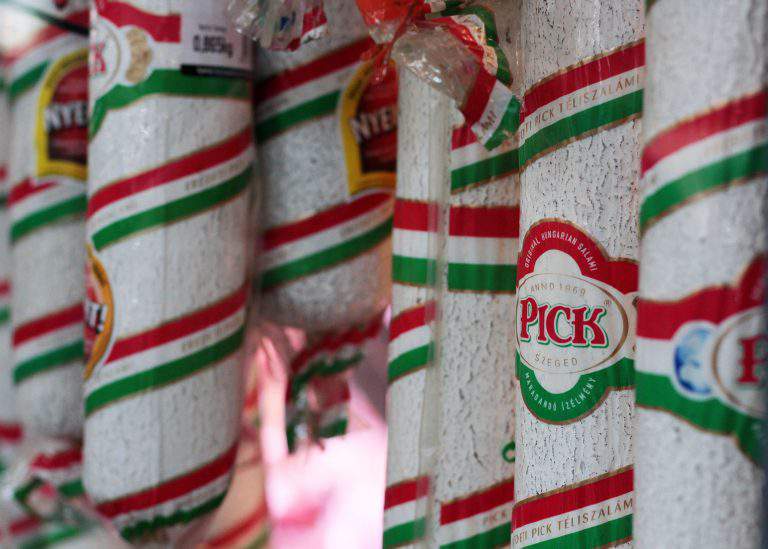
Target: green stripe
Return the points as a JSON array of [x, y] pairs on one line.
[[71, 489], [404, 533], [27, 80], [321, 106], [166, 82], [326, 258], [183, 516], [5, 315], [409, 361], [335, 429], [324, 369], [507, 127], [482, 278], [657, 391], [41, 218], [716, 175], [609, 112], [497, 537], [596, 536], [172, 211], [62, 356], [164, 374], [260, 541], [484, 170], [413, 270], [49, 539]]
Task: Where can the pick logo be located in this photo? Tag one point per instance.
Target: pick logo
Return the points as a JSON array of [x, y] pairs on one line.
[[575, 319]]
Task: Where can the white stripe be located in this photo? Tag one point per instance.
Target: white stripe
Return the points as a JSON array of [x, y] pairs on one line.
[[581, 100], [493, 113], [476, 524], [47, 342], [702, 153], [327, 238], [162, 354], [171, 191], [61, 192], [573, 521], [298, 95], [655, 356], [414, 243], [404, 513], [482, 251], [407, 341], [475, 152]]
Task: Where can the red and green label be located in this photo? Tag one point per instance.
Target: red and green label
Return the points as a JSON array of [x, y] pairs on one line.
[[575, 322], [704, 358]]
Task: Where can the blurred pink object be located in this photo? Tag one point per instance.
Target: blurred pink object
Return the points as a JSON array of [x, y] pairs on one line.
[[330, 496]]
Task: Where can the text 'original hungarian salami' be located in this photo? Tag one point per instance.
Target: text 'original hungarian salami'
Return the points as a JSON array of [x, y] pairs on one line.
[[577, 271], [47, 75], [701, 327], [171, 156]]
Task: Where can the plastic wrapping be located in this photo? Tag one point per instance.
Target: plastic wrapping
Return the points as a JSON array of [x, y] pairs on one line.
[[701, 326], [455, 47], [168, 231], [279, 24], [577, 273], [47, 85], [450, 475], [326, 136]]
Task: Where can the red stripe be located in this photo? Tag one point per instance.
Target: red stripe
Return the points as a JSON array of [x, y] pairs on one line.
[[50, 323], [229, 536], [478, 97], [60, 460], [26, 189], [415, 215], [489, 222], [462, 137], [478, 503], [171, 489], [412, 318], [163, 28], [333, 343], [735, 113], [571, 500], [312, 20], [331, 62], [5, 287], [174, 170], [661, 319], [584, 75], [409, 490], [45, 35], [22, 526], [3, 172], [332, 217], [181, 327], [10, 432]]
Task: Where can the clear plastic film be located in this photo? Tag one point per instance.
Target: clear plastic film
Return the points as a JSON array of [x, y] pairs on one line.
[[455, 47], [171, 158], [577, 273], [327, 137], [451, 474], [279, 24], [702, 333]]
